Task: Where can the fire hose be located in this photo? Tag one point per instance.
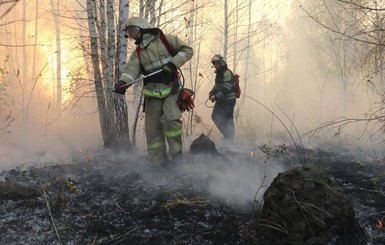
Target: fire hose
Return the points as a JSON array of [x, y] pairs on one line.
[[208, 106], [139, 79], [185, 100]]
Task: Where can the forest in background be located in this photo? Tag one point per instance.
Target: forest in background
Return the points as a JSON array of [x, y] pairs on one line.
[[311, 72]]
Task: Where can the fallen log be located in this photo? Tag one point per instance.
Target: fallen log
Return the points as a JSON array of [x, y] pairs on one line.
[[13, 191]]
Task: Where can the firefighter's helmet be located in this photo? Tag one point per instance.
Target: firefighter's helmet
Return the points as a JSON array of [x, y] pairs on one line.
[[218, 58], [139, 22]]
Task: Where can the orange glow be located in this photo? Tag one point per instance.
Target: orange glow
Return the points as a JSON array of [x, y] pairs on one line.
[[379, 224], [49, 54]]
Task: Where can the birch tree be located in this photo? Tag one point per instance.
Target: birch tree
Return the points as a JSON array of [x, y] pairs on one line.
[[108, 62], [120, 105], [102, 44]]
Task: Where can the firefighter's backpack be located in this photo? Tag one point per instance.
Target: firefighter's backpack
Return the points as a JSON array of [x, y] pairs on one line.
[[237, 88]]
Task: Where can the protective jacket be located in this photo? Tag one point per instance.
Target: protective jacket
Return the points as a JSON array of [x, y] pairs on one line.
[[224, 85], [153, 56], [224, 92], [163, 122]]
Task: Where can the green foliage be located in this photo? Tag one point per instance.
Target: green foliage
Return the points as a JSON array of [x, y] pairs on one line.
[[360, 163], [77, 87], [76, 81], [377, 179], [374, 181]]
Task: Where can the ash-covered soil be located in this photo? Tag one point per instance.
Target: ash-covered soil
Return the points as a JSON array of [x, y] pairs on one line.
[[103, 198], [363, 182]]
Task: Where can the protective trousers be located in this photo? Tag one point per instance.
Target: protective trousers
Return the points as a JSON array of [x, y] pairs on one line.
[[223, 118], [163, 123]]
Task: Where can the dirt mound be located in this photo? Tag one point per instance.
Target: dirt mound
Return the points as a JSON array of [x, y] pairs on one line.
[[203, 144], [304, 206]]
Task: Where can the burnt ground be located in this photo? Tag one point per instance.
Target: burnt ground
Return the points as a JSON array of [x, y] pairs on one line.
[[101, 198]]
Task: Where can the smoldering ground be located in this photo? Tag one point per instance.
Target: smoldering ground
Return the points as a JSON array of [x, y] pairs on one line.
[[207, 199], [122, 199]]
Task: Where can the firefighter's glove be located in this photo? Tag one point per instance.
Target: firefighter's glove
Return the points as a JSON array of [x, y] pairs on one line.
[[169, 67], [185, 101], [120, 87]]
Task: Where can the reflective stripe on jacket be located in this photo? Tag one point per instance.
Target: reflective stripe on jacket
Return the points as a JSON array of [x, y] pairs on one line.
[[173, 133], [157, 90], [224, 85], [156, 145]]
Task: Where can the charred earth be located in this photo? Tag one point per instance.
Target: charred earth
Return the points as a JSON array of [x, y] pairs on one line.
[[98, 197]]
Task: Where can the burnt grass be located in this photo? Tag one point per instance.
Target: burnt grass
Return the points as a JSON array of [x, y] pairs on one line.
[[103, 198]]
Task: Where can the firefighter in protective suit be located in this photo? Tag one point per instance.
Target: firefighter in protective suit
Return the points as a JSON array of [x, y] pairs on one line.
[[163, 122], [224, 97]]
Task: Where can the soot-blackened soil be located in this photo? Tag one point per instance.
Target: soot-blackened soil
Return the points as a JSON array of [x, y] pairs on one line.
[[101, 198]]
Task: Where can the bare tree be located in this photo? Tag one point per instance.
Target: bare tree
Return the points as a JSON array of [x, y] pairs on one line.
[[102, 40], [358, 22], [355, 52], [238, 39], [120, 105], [7, 6], [23, 80], [6, 117], [56, 17]]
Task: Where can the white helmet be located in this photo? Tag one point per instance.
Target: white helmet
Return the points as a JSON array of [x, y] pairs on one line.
[[139, 22]]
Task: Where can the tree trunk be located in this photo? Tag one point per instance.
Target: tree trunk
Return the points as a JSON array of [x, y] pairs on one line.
[[138, 89], [115, 102], [14, 191], [226, 31], [191, 31], [34, 59], [246, 69], [138, 98], [120, 105], [56, 16], [150, 11], [112, 107], [23, 81], [97, 74]]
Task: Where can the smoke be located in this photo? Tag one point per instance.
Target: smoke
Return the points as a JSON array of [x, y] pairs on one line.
[[37, 141], [292, 89], [307, 78], [235, 177]]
